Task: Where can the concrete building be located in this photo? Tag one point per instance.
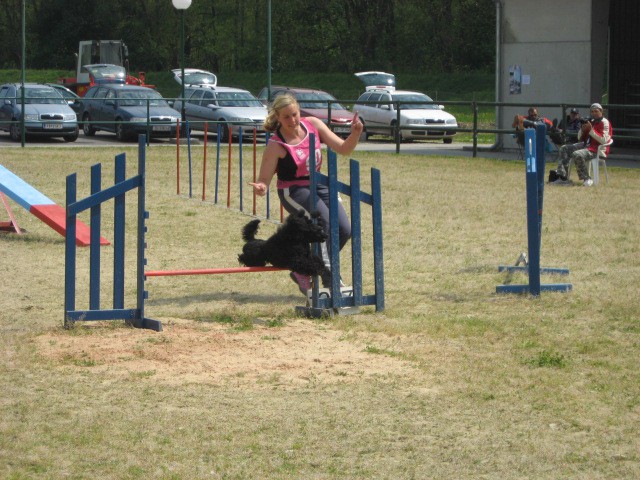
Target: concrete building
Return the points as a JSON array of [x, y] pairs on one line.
[[572, 52]]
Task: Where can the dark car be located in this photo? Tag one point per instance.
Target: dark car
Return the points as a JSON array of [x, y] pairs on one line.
[[314, 103], [46, 113], [123, 109]]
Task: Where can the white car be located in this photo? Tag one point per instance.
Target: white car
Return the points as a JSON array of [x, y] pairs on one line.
[[378, 110], [194, 76], [233, 108]]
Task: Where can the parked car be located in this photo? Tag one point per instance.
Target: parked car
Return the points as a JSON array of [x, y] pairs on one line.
[[379, 115], [210, 103], [194, 76], [122, 109], [46, 113], [71, 98], [101, 73], [314, 103]]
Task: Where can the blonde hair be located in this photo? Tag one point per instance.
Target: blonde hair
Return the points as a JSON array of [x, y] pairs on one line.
[[281, 101]]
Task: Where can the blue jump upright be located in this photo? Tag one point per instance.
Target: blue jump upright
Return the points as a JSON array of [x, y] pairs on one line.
[[133, 316], [535, 173], [336, 300]]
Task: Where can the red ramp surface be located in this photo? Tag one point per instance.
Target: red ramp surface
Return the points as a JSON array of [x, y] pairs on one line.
[[55, 216], [38, 204]]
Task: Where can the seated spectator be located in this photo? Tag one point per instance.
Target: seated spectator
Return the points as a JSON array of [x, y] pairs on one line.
[[532, 119], [570, 126], [593, 132], [573, 122]]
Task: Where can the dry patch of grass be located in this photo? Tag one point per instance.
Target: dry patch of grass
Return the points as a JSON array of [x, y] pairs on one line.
[[451, 381], [227, 352]]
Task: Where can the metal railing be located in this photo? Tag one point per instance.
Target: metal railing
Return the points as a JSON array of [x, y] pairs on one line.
[[395, 129]]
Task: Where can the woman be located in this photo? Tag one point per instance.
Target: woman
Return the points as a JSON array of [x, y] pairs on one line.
[[287, 155]]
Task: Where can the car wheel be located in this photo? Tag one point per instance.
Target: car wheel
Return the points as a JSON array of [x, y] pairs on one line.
[[447, 140], [87, 128], [120, 132], [364, 135], [72, 137], [14, 131], [226, 131], [397, 134]]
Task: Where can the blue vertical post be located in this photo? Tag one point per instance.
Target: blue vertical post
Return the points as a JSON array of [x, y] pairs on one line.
[[94, 243], [143, 215], [533, 219], [378, 260], [356, 232], [119, 222], [70, 251], [334, 228], [541, 166], [268, 202], [189, 153], [313, 188], [240, 175], [215, 198]]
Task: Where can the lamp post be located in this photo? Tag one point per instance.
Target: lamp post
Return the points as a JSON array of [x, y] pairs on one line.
[[182, 5], [22, 74]]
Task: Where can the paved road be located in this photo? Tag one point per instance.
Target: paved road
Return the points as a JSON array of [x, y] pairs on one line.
[[619, 157]]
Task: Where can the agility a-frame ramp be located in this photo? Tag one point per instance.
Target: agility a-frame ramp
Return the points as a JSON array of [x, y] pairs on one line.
[[535, 174], [39, 205]]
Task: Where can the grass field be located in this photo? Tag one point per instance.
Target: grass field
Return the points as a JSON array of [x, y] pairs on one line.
[[451, 381]]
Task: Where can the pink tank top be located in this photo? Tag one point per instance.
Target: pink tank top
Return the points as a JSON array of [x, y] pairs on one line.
[[293, 168]]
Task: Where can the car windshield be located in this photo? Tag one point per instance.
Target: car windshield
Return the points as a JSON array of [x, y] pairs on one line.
[[378, 79], [66, 94], [199, 78], [40, 95], [106, 72], [317, 100], [135, 98], [410, 101], [238, 99]]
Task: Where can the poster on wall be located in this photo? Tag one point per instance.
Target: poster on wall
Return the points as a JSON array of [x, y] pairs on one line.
[[515, 80]]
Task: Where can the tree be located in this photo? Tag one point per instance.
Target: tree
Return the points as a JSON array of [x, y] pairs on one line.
[[230, 35]]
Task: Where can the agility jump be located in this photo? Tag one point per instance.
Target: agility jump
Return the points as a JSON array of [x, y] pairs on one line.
[[535, 173], [135, 316]]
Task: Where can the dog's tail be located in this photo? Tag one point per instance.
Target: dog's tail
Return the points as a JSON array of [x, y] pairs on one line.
[[250, 229]]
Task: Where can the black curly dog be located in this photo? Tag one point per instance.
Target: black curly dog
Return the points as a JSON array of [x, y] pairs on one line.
[[288, 247]]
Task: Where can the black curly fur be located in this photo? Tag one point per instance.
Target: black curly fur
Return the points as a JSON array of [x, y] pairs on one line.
[[288, 247]]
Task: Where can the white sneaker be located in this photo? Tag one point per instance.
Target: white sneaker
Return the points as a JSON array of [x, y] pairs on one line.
[[588, 182]]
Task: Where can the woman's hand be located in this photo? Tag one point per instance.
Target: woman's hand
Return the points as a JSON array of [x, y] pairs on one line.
[[259, 188], [356, 124]]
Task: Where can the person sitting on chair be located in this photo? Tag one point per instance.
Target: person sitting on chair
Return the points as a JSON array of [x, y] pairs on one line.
[[574, 121], [594, 132], [572, 125], [532, 119]]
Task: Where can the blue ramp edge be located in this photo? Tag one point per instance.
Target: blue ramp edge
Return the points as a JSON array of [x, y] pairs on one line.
[[20, 191]]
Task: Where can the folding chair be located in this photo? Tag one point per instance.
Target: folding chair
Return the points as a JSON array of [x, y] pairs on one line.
[[519, 146], [552, 150], [600, 159]]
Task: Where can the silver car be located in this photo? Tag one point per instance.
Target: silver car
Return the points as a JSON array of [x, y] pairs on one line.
[[232, 108], [420, 117], [46, 113]]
